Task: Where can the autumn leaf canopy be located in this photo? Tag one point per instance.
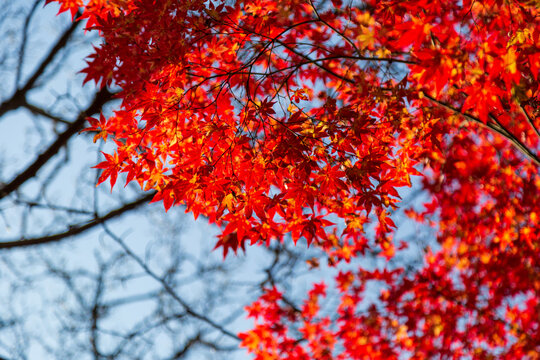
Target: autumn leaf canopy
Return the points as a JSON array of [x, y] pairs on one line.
[[301, 119]]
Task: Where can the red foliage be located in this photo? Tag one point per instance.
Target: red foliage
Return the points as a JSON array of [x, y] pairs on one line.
[[304, 118]]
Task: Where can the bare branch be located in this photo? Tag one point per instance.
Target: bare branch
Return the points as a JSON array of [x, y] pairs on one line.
[[77, 229], [100, 99], [168, 288]]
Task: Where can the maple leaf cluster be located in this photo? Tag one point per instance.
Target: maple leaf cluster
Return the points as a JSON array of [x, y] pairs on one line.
[[303, 119]]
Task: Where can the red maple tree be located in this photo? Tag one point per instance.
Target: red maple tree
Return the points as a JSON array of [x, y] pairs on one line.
[[303, 119]]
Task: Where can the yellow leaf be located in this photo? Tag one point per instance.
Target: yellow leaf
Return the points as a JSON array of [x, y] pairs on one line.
[[228, 202], [366, 39], [101, 135], [510, 62]]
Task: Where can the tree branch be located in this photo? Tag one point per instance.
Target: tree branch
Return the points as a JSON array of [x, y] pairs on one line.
[[495, 127], [18, 98], [100, 99], [77, 228], [39, 111], [189, 310]]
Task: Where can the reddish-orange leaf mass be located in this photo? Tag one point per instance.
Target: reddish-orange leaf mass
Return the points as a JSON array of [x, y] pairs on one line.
[[303, 118]]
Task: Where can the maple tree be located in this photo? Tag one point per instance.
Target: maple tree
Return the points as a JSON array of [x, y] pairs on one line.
[[303, 119]]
